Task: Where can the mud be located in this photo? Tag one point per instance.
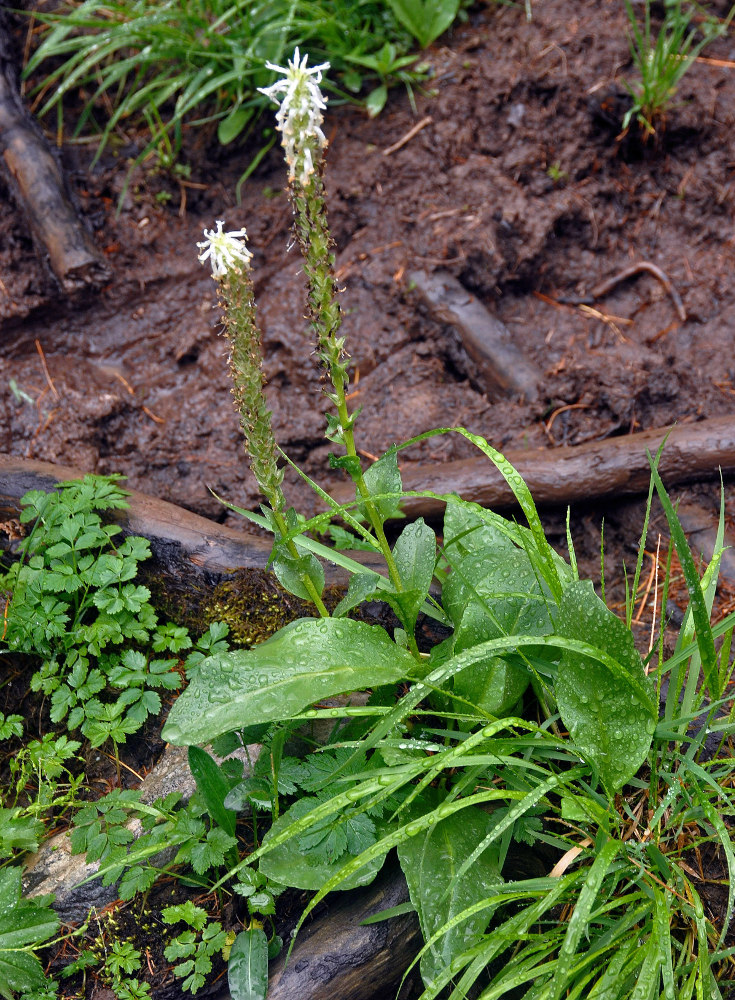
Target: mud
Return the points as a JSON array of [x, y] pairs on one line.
[[518, 187]]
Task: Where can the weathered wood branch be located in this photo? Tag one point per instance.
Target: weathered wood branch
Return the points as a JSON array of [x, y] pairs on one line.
[[37, 183], [615, 467], [335, 958], [182, 543], [178, 537], [499, 368]]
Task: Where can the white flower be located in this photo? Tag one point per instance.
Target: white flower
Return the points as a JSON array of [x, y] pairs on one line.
[[299, 116], [226, 251]]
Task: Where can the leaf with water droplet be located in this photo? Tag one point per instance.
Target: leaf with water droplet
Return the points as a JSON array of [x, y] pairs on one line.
[[292, 570], [430, 860], [607, 708], [415, 557], [247, 971], [495, 684], [304, 662], [329, 844], [384, 476]]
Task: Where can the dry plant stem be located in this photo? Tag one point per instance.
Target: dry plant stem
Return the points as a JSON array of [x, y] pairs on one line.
[[235, 293], [315, 242]]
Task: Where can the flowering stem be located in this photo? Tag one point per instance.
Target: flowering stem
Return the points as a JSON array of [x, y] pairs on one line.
[[315, 242], [299, 119], [241, 329], [230, 261]]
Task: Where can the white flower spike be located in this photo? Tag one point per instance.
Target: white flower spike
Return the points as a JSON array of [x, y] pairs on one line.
[[225, 251], [299, 117]]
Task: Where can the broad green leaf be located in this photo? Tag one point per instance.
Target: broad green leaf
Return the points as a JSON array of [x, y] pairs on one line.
[[290, 864], [247, 971], [290, 572], [361, 586], [384, 476], [18, 832], [425, 19], [375, 100], [430, 862], [24, 925], [488, 597], [610, 714], [213, 788], [304, 662], [231, 126], [511, 591], [546, 561], [415, 558], [496, 683], [465, 531]]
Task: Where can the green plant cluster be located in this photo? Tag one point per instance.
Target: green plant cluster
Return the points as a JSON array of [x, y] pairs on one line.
[[536, 724], [75, 604], [174, 63], [662, 58]]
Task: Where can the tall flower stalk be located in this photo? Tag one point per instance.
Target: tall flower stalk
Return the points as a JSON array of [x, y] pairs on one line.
[[230, 262], [299, 120]]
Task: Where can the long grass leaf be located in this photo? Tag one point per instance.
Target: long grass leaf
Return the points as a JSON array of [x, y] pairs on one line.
[[515, 812], [724, 837], [705, 641], [579, 920], [662, 936], [630, 605]]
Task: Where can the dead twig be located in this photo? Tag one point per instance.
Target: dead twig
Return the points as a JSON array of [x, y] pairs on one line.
[[611, 321], [722, 63], [152, 415], [408, 136], [605, 287], [566, 859], [562, 409], [647, 587], [50, 381]]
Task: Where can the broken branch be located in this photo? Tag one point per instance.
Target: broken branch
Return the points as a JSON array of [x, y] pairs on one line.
[[37, 183]]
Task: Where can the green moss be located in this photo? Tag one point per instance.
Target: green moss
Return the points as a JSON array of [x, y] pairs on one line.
[[254, 605]]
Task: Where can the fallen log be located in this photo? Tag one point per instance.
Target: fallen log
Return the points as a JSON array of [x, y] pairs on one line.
[[37, 184], [615, 467], [180, 539]]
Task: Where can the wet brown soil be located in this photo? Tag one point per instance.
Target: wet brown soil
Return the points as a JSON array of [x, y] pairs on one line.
[[518, 186]]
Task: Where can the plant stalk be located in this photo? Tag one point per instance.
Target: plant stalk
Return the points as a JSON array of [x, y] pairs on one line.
[[315, 241]]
